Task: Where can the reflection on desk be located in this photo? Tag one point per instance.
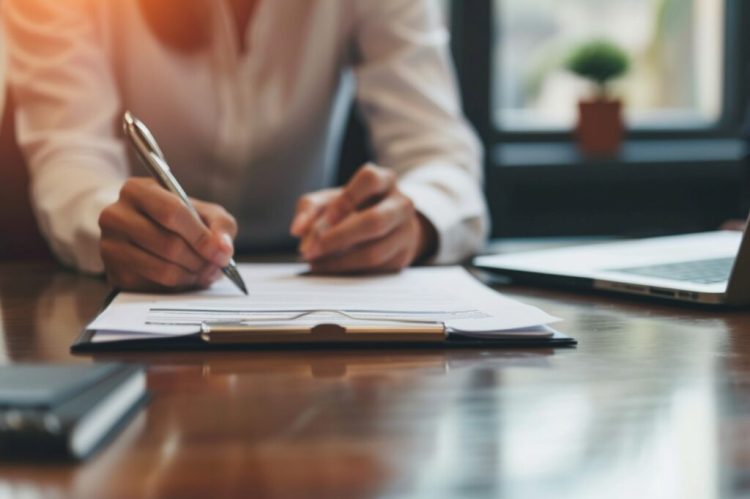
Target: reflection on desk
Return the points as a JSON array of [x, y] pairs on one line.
[[655, 402]]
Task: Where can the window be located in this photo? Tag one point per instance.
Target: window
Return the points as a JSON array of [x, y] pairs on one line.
[[675, 47], [681, 168]]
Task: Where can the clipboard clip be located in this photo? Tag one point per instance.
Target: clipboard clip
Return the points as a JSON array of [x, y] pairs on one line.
[[355, 330]]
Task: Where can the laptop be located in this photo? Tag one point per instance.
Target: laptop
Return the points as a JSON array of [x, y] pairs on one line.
[[711, 268]]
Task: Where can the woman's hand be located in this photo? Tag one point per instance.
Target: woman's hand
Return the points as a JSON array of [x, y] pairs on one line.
[[151, 242], [369, 225], [734, 225]]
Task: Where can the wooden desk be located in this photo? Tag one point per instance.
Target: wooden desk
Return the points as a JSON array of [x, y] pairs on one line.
[[655, 402]]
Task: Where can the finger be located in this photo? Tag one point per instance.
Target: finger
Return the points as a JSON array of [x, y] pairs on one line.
[[220, 222], [310, 238], [386, 254], [124, 222], [733, 225], [132, 268], [309, 241], [216, 218], [360, 227], [369, 184], [167, 210], [309, 208]]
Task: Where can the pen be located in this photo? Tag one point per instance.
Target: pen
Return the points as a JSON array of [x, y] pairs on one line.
[[148, 151]]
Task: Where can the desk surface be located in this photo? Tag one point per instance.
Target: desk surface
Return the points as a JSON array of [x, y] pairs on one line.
[[654, 402]]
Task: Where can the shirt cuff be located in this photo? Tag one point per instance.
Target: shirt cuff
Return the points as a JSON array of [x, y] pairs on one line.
[[72, 229], [460, 233], [87, 238]]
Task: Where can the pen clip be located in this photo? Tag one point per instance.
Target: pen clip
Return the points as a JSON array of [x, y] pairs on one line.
[[151, 156]]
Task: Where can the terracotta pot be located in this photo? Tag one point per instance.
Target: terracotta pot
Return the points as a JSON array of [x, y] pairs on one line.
[[600, 128]]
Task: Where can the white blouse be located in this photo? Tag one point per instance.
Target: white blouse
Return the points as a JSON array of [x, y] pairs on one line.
[[3, 88], [249, 130]]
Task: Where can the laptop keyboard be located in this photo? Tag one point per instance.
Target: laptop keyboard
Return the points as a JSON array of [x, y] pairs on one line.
[[698, 271]]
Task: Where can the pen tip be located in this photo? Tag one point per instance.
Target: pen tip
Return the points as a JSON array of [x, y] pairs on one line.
[[233, 274]]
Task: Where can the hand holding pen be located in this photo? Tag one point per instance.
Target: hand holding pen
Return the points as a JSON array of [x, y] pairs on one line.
[[155, 239]]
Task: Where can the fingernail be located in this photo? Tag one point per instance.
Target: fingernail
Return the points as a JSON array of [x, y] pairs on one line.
[[227, 243], [319, 227], [224, 254], [216, 275]]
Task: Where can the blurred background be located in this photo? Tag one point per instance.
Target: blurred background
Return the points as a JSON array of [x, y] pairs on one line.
[[682, 166], [675, 47]]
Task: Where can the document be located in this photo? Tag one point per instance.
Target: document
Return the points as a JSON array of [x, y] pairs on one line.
[[280, 293]]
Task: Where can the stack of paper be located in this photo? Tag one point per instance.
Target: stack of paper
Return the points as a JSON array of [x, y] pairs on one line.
[[284, 292]]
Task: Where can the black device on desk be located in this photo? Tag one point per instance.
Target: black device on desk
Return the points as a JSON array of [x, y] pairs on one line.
[[57, 411]]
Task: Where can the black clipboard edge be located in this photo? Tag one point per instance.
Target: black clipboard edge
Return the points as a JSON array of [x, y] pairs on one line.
[[194, 342], [86, 335]]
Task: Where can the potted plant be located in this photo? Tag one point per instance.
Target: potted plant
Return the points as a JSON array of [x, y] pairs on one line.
[[600, 127]]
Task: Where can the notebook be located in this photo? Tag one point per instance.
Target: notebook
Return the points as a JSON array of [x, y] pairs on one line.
[[65, 411]]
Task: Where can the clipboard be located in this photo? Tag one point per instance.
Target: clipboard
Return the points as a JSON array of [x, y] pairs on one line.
[[268, 334], [329, 336]]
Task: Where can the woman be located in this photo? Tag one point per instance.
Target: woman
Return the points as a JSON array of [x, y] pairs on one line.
[[245, 98]]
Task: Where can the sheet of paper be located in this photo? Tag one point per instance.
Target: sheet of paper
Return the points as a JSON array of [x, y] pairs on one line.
[[283, 292]]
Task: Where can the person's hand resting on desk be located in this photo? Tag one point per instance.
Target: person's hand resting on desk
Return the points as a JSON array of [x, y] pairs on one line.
[[735, 224], [151, 242], [368, 225]]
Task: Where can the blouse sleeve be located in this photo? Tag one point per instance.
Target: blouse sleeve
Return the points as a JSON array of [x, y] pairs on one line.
[[406, 91], [66, 113]]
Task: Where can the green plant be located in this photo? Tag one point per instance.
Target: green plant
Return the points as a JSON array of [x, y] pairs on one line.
[[600, 61]]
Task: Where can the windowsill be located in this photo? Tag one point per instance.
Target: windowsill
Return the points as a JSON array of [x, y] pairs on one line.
[[634, 152]]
